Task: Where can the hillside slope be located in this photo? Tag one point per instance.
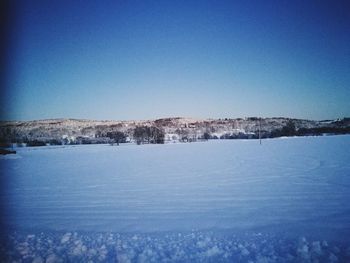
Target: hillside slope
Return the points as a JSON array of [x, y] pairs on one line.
[[58, 131]]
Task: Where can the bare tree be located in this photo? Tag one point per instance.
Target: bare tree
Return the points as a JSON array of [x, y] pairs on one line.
[[117, 137]]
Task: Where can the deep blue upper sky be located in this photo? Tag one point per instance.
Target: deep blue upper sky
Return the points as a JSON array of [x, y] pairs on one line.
[[151, 59]]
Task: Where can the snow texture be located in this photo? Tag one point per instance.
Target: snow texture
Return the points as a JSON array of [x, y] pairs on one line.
[[193, 246], [217, 201]]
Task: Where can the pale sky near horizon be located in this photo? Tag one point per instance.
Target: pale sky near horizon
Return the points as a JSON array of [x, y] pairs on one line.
[[205, 59]]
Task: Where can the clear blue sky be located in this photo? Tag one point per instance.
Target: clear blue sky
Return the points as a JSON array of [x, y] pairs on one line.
[[149, 59]]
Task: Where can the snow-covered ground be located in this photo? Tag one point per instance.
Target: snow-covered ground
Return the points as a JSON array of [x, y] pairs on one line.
[[226, 200]]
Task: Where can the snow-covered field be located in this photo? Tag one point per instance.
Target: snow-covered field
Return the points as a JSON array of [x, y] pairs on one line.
[[286, 200]]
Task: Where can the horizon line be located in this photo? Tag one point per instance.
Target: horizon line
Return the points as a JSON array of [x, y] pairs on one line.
[[173, 117]]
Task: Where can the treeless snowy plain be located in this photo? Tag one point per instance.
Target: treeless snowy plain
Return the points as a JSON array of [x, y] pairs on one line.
[[286, 200]]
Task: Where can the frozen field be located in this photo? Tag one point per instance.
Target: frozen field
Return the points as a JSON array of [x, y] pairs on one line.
[[285, 200]]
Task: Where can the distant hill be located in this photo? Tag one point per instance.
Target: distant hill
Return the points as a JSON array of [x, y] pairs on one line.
[[75, 131]]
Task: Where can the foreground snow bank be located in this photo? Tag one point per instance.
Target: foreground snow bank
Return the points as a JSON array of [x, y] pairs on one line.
[[193, 246]]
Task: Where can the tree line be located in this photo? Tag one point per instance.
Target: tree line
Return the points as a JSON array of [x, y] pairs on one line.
[[141, 135], [154, 134]]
